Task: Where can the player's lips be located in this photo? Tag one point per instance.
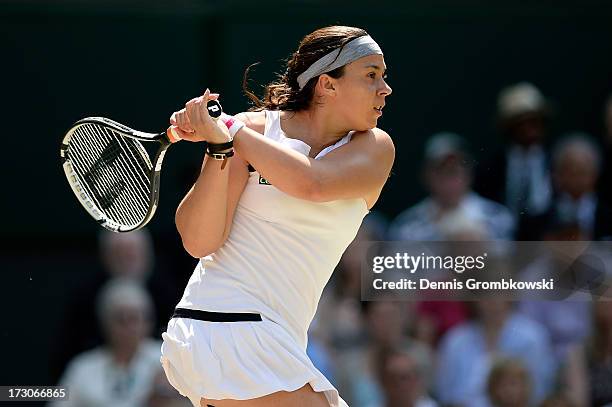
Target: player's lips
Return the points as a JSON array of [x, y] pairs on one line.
[[379, 109]]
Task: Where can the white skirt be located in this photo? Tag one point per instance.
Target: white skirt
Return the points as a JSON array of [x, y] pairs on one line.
[[237, 360]]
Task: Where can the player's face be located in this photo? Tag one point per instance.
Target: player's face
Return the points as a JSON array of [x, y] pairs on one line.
[[361, 92]]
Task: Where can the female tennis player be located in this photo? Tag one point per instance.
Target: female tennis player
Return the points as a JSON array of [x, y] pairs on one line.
[[269, 218]]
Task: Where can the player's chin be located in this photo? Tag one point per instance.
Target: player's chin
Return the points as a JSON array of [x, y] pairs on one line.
[[364, 127], [372, 123], [366, 123]]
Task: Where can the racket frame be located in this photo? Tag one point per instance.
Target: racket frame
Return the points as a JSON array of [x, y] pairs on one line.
[[154, 178], [214, 110]]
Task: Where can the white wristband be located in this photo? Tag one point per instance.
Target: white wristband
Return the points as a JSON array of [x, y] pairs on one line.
[[233, 124]]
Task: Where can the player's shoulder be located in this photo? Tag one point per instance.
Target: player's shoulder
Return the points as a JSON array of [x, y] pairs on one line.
[[376, 140], [374, 135], [253, 120]]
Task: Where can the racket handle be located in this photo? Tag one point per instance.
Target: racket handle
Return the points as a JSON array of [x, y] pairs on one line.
[[172, 134], [214, 110]]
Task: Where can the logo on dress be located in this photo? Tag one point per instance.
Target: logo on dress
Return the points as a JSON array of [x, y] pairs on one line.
[[263, 181]]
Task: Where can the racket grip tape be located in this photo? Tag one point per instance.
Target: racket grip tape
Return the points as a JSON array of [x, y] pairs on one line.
[[172, 134]]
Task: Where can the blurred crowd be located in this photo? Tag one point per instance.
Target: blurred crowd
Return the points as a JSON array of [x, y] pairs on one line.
[[490, 352]]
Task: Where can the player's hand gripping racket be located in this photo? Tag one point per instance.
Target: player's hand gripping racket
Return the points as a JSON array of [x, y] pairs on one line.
[[111, 173]]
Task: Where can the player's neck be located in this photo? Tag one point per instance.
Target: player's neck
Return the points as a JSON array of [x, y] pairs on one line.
[[314, 127]]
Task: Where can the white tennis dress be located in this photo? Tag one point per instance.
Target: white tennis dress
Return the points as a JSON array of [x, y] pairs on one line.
[[278, 257]]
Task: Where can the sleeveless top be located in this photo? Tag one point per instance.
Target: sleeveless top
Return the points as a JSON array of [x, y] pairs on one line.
[[281, 250]]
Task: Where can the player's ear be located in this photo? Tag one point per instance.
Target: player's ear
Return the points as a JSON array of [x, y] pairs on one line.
[[327, 85]]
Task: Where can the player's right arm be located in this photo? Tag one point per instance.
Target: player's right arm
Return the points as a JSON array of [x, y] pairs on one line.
[[208, 208], [205, 215]]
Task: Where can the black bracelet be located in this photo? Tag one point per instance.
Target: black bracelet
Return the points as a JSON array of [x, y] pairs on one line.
[[216, 148], [220, 156]]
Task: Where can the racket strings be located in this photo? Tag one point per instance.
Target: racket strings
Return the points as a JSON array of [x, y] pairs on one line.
[[130, 160], [109, 154], [96, 176], [109, 181], [102, 185], [115, 170], [136, 192]]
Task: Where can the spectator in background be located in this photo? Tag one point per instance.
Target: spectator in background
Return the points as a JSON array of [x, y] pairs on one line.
[[338, 325], [433, 318], [588, 371], [131, 255], [403, 381], [509, 384], [466, 353], [387, 323], [566, 318], [576, 163], [338, 321], [448, 176], [604, 190], [518, 175], [557, 401], [162, 393], [119, 373], [122, 255]]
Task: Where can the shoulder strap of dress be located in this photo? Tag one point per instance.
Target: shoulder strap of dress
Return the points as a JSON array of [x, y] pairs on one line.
[[272, 129], [339, 143]]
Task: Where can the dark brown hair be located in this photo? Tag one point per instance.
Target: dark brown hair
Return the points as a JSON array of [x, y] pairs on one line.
[[285, 93]]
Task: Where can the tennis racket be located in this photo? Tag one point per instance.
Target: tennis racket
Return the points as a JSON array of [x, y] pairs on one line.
[[111, 173]]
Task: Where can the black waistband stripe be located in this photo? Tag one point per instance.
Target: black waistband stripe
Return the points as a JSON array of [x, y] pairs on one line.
[[215, 316]]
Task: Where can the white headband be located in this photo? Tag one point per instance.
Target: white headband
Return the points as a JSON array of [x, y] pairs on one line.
[[353, 50]]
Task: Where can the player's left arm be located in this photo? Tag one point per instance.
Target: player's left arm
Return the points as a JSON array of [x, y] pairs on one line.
[[357, 169]]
